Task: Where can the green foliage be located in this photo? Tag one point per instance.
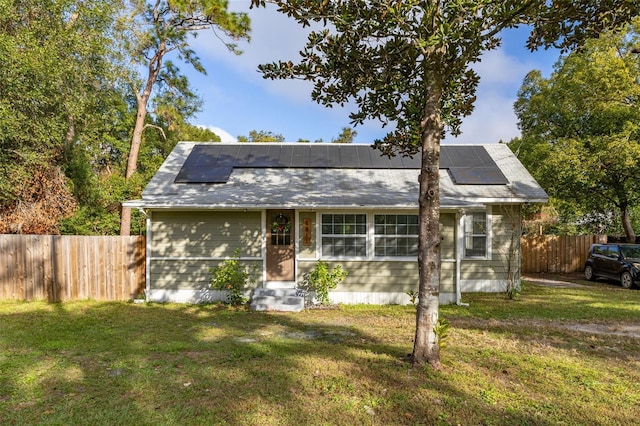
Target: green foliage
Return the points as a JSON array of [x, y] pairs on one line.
[[346, 136], [56, 69], [233, 277], [261, 136], [322, 279], [580, 132], [413, 297], [441, 330]]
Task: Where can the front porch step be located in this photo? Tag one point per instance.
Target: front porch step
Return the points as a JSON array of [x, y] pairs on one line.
[[277, 299]]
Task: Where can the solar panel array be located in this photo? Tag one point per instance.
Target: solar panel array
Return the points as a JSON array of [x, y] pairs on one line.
[[213, 163]]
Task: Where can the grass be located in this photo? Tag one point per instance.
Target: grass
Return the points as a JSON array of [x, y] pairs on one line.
[[520, 362]]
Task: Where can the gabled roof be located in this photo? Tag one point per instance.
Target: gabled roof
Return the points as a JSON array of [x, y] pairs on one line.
[[291, 175]]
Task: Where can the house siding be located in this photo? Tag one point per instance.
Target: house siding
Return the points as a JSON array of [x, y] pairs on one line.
[[206, 234], [448, 235], [185, 274], [371, 276], [187, 244], [489, 275]]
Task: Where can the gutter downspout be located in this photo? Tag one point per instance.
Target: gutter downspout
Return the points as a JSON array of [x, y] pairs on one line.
[[459, 248]]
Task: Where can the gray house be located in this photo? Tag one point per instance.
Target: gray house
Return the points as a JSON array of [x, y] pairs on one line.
[[285, 206]]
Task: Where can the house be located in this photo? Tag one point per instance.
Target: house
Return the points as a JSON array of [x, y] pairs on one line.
[[287, 205]]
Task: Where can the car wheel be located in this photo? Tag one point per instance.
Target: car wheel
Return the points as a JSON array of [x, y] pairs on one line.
[[626, 280], [588, 273]]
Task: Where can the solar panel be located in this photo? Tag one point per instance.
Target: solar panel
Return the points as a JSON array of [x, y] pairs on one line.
[[318, 156], [348, 155], [477, 176], [204, 175], [214, 163]]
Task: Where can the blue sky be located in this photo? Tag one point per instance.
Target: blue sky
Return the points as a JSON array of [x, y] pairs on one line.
[[236, 99]]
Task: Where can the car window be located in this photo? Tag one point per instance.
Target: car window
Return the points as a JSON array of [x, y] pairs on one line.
[[631, 252], [613, 252], [601, 250]]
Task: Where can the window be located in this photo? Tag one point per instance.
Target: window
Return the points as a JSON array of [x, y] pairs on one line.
[[280, 230], [396, 235], [344, 235], [475, 234]]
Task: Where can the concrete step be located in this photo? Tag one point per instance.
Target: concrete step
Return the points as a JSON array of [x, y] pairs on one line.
[[277, 299]]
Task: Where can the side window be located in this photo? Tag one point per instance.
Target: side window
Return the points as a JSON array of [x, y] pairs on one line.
[[600, 250], [475, 234], [613, 252]]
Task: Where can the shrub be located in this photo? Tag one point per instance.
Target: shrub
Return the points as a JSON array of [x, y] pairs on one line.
[[232, 277], [321, 279], [442, 331]]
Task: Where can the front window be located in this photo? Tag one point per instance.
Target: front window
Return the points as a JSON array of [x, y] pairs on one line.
[[344, 235], [396, 235], [475, 234]]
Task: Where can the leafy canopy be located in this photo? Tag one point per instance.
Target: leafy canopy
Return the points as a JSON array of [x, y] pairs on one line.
[[581, 127]]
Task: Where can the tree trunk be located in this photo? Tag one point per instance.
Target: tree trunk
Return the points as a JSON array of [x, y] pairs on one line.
[[626, 224], [155, 64], [425, 347], [132, 162]]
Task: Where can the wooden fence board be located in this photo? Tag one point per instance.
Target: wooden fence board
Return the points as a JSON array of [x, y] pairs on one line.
[[59, 268], [556, 253]]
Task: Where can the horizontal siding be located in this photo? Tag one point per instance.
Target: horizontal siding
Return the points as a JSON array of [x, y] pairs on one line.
[[447, 277], [448, 235], [505, 225], [369, 276], [191, 274], [481, 270], [206, 234], [372, 276]]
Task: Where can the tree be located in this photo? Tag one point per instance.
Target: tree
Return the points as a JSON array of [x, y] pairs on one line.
[[57, 69], [346, 136], [156, 30], [408, 63], [261, 136], [581, 128]]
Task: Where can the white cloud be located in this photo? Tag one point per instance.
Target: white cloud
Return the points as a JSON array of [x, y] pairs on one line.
[[224, 135], [236, 94], [274, 37]]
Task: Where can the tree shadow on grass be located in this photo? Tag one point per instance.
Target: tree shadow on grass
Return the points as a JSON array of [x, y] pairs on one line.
[[115, 363]]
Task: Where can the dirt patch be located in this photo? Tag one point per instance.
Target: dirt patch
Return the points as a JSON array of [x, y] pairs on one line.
[[616, 330], [625, 330]]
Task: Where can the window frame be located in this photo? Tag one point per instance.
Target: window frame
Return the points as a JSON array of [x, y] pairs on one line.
[[364, 235], [370, 235], [387, 236], [486, 235]]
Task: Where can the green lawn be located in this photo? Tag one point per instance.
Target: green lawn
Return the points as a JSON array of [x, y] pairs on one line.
[[533, 361]]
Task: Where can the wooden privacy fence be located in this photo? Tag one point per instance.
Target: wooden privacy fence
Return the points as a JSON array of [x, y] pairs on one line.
[[556, 253], [57, 268]]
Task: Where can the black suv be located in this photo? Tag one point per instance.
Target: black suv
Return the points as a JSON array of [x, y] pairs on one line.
[[620, 262]]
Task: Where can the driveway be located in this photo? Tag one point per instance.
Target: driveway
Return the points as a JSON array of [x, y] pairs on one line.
[[553, 280]]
